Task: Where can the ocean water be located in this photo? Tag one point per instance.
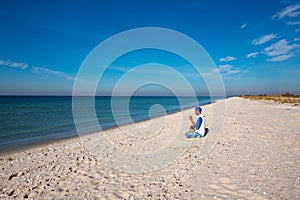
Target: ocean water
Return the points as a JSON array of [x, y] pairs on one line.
[[26, 120]]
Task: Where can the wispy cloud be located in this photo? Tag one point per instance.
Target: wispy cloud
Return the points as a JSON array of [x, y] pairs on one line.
[[264, 39], [225, 69], [292, 23], [35, 69], [153, 72], [243, 26], [281, 57], [297, 30], [46, 71], [227, 59], [280, 50], [9, 63], [252, 55], [121, 69], [290, 11]]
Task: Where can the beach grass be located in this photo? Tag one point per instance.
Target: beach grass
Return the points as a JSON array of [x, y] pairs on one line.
[[287, 97]]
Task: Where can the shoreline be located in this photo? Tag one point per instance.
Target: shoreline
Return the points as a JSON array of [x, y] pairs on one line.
[[44, 143]]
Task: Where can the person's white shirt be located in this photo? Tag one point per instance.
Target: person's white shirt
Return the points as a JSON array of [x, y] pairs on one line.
[[201, 129]]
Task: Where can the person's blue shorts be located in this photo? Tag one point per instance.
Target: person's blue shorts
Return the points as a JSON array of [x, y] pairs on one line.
[[191, 134]]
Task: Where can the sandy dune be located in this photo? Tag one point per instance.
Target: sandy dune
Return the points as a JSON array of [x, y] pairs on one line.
[[254, 156]]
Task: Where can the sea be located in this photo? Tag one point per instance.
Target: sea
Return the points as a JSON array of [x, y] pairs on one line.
[[28, 120]]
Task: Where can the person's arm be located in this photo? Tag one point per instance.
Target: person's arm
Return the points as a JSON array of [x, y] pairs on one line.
[[191, 120], [198, 124]]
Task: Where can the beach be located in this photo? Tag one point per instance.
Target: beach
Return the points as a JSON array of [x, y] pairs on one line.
[[255, 155]]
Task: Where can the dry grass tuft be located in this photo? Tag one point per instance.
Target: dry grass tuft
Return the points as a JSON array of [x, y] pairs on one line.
[[284, 98]]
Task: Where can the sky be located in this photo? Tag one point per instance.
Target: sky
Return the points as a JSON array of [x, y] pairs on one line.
[[254, 44]]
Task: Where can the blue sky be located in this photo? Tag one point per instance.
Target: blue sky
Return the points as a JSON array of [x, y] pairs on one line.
[[255, 44]]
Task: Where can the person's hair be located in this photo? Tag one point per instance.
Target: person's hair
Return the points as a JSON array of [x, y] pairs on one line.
[[199, 109]]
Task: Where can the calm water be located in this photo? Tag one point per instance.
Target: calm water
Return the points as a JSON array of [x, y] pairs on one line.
[[27, 120]]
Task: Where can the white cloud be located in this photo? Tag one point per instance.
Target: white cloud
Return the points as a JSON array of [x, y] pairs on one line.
[[225, 69], [280, 58], [297, 30], [292, 23], [35, 69], [13, 64], [264, 39], [290, 11], [227, 59], [252, 55], [280, 50], [117, 68], [154, 71], [46, 71], [243, 26]]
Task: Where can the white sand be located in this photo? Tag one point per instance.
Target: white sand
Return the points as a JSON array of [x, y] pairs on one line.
[[256, 156]]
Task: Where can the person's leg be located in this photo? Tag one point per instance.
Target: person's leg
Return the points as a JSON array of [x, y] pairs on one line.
[[189, 134], [197, 135]]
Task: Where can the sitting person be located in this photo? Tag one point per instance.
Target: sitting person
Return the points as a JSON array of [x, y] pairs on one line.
[[198, 129]]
